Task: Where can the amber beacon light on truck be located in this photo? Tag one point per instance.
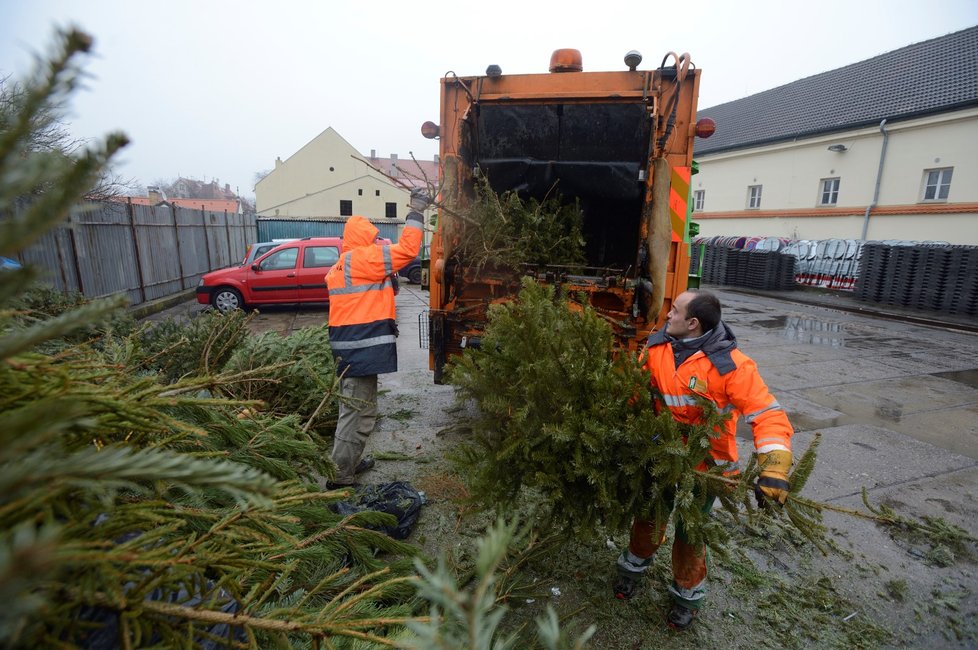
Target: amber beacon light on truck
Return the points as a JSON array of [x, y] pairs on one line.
[[618, 144]]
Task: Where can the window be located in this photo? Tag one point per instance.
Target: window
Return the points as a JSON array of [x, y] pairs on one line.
[[830, 191], [391, 210], [280, 260], [319, 256], [698, 198], [937, 182], [263, 249], [376, 192], [754, 196], [359, 192], [346, 208]]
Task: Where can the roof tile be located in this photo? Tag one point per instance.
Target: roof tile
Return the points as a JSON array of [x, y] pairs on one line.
[[932, 76]]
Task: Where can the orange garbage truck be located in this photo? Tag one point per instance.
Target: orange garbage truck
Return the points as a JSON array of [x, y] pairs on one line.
[[619, 144]]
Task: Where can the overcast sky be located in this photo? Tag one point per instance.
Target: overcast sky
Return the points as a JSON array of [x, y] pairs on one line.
[[218, 89]]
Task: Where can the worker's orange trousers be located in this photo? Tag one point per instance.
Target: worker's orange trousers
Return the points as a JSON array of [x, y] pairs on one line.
[[688, 561]]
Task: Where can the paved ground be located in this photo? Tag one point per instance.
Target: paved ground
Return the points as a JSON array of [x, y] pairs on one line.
[[896, 404]]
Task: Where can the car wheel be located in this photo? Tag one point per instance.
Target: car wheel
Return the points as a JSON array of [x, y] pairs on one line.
[[227, 299], [415, 275]]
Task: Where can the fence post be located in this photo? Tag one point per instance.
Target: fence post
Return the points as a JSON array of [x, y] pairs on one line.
[[61, 258], [207, 244], [74, 253], [227, 233], [176, 237], [135, 244]]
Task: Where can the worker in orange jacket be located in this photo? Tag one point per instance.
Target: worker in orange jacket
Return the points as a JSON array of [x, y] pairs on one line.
[[696, 356], [363, 329]]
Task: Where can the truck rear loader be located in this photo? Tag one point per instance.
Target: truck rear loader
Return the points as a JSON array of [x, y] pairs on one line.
[[619, 144]]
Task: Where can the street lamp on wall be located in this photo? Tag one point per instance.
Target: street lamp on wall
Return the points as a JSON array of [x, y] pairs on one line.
[[838, 148]]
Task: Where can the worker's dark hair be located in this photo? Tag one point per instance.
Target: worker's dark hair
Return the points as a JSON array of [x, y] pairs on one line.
[[704, 306]]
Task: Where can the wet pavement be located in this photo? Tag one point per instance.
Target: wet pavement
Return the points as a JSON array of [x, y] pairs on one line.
[[834, 369]]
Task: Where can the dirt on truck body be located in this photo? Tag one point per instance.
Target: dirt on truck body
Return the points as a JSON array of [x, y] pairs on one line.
[[618, 144]]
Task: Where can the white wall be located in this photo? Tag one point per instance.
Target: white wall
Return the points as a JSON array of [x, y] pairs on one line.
[[791, 174]]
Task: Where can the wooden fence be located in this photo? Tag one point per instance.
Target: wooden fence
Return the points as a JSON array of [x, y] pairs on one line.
[[145, 252]]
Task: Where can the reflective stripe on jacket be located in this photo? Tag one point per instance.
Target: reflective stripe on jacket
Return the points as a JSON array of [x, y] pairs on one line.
[[362, 326], [739, 390]]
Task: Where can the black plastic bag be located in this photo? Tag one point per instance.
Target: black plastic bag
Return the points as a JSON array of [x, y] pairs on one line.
[[397, 498]]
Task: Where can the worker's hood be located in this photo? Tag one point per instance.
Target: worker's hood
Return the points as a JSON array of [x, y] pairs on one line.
[[715, 344], [358, 232]]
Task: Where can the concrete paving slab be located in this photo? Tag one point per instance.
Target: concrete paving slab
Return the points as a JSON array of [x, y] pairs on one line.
[[929, 409], [954, 429], [829, 373], [793, 355], [805, 414], [892, 398], [852, 457], [946, 360], [948, 592]]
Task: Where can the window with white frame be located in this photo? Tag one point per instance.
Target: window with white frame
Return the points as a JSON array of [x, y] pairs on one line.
[[937, 183], [698, 198], [753, 197], [830, 192]]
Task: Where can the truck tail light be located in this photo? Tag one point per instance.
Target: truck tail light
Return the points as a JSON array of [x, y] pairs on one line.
[[705, 127], [430, 130]]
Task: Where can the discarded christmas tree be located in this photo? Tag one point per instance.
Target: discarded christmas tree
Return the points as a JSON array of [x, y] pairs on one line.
[[568, 427], [567, 422], [506, 232]]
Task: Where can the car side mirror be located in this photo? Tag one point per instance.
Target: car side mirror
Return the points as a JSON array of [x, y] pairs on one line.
[[254, 267]]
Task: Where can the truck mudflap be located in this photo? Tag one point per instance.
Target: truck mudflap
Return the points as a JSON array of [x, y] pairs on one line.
[[434, 329]]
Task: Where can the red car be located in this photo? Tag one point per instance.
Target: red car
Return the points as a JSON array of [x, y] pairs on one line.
[[292, 272]]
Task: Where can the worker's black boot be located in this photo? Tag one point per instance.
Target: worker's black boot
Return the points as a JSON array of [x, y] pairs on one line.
[[366, 463], [627, 585], [680, 617]]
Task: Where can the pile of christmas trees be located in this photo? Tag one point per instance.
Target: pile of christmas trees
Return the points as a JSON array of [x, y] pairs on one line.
[[140, 503], [504, 231]]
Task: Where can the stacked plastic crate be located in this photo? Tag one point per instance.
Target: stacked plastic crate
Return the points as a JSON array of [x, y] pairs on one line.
[[961, 296], [872, 271]]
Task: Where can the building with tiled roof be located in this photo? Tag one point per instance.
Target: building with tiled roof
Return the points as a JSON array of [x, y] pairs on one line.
[[885, 148], [329, 178], [232, 206]]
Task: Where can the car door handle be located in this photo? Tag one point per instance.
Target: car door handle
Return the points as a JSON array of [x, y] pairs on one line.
[[290, 275]]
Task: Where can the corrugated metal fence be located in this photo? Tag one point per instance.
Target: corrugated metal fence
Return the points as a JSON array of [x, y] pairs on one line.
[[270, 228], [146, 252]]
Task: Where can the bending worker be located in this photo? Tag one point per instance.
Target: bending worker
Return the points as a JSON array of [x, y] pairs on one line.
[[363, 329], [696, 354]]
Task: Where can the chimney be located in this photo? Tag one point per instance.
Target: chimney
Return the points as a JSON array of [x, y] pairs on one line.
[[227, 187], [154, 195], [394, 165], [278, 161], [373, 154]]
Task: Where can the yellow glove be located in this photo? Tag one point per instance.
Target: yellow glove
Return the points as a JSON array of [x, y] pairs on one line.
[[773, 482]]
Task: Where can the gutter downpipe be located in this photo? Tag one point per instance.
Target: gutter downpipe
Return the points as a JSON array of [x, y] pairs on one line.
[[879, 179]]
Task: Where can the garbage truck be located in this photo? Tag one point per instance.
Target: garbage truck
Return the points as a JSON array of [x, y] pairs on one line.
[[617, 143]]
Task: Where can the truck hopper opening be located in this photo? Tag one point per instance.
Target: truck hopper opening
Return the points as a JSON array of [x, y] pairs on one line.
[[594, 153]]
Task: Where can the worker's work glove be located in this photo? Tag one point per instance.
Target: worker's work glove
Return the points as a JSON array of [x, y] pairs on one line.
[[420, 200], [772, 485]]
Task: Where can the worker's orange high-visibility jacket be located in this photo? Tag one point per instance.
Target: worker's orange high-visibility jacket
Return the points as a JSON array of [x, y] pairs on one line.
[[362, 326], [725, 376]]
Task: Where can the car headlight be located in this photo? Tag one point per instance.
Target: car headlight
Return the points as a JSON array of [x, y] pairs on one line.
[[201, 283]]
